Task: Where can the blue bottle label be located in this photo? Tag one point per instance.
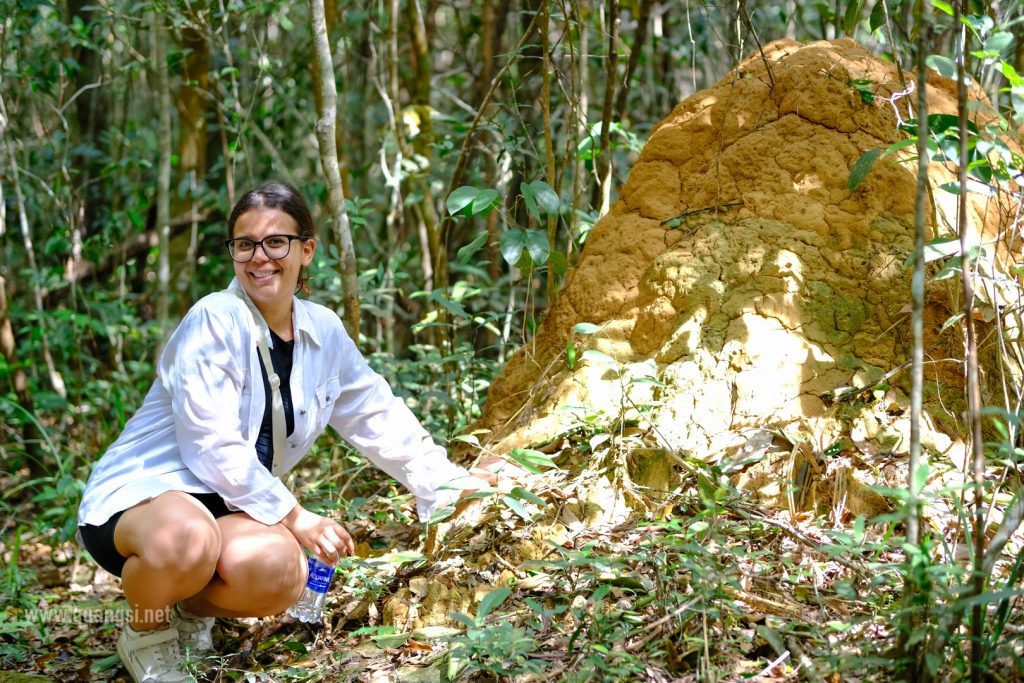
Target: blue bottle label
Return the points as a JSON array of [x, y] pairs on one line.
[[320, 575]]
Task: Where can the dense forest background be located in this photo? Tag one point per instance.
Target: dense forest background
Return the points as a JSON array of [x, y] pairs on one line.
[[476, 142]]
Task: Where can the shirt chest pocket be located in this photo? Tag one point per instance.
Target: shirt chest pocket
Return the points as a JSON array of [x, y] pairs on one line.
[[324, 399]]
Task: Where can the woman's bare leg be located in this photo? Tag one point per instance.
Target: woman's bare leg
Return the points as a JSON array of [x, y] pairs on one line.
[[261, 571], [172, 543]]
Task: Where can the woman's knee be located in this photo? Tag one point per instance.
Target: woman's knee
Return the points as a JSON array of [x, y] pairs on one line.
[[272, 570], [186, 545]]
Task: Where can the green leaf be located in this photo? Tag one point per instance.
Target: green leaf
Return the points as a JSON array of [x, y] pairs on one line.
[[532, 460], [530, 197], [943, 6], [570, 353], [941, 247], [517, 507], [463, 618], [952, 320], [648, 380], [977, 20], [140, 224], [546, 197], [772, 636], [877, 16], [902, 144], [940, 123], [853, 10], [391, 640], [404, 557], [295, 646], [1011, 75], [460, 198], [466, 252], [479, 494], [101, 665], [944, 65], [471, 200], [952, 268], [467, 438], [491, 601], [863, 167], [921, 477], [999, 43], [441, 514], [558, 262], [485, 200], [519, 493], [595, 356], [866, 88], [454, 307], [511, 245], [537, 245], [585, 328]]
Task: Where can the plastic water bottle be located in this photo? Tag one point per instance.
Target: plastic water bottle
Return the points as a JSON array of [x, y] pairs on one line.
[[311, 604]]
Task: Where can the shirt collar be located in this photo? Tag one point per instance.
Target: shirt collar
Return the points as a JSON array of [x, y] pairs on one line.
[[301, 319], [303, 322]]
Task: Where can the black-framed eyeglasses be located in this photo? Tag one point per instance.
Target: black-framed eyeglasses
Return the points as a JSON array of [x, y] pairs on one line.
[[242, 249]]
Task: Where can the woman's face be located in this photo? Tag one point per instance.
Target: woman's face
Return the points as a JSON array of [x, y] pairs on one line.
[[271, 282]]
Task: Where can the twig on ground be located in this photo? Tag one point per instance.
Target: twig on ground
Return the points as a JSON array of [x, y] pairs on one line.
[[771, 667]]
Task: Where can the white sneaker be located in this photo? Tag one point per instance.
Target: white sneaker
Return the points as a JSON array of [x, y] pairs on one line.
[[152, 656], [195, 633]]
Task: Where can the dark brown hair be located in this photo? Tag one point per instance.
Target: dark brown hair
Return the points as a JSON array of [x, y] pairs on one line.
[[283, 197]]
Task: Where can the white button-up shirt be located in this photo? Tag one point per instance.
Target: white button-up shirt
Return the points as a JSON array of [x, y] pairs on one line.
[[196, 430]]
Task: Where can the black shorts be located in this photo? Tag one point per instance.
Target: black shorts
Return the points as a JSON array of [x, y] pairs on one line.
[[99, 540]]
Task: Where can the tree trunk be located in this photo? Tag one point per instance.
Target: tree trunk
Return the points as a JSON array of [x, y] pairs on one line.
[[549, 139], [643, 20], [91, 109], [604, 165], [914, 668], [974, 405], [191, 101], [419, 88], [326, 135], [582, 117], [163, 181]]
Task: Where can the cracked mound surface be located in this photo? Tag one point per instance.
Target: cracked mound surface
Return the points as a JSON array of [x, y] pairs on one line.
[[779, 283]]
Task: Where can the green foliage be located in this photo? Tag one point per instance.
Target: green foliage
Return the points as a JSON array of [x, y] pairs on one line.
[[863, 167], [500, 649], [470, 201], [80, 121]]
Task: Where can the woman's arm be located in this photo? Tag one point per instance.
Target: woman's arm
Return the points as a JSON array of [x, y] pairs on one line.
[[379, 424]]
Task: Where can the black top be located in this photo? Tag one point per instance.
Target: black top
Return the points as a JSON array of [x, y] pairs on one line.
[[281, 358]]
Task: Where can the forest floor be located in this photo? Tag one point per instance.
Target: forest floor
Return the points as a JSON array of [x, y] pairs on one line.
[[561, 584]]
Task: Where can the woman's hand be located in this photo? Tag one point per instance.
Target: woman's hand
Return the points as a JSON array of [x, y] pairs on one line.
[[495, 467], [492, 471], [323, 537]]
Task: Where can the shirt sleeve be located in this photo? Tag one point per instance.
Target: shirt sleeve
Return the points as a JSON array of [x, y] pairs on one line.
[[203, 369], [379, 424]]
